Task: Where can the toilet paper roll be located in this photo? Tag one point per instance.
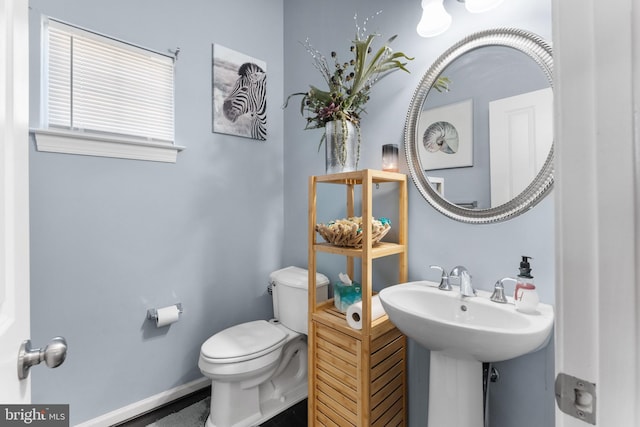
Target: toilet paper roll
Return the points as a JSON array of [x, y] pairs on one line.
[[354, 312], [167, 316]]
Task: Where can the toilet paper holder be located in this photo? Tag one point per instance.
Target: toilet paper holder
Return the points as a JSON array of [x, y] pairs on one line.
[[152, 313]]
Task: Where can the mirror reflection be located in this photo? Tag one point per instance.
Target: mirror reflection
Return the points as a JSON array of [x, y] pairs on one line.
[[485, 139], [482, 150]]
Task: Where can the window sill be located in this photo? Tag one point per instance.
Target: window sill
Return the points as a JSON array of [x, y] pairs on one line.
[[66, 142]]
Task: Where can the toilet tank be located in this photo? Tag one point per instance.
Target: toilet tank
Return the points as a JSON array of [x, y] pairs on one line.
[[290, 296]]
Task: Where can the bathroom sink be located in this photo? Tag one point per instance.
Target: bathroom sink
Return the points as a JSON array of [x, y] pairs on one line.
[[465, 328]]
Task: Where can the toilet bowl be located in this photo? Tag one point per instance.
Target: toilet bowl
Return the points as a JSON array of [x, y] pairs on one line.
[[259, 368]]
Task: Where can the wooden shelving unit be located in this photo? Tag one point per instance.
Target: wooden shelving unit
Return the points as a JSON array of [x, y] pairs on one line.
[[357, 377]]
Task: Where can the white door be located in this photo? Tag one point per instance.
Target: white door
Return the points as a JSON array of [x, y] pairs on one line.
[[520, 136], [597, 199], [14, 197]]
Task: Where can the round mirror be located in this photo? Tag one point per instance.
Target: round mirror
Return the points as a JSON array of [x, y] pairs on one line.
[[479, 130]]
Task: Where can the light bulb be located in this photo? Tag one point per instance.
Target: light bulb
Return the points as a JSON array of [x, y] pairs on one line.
[[435, 19], [479, 6]]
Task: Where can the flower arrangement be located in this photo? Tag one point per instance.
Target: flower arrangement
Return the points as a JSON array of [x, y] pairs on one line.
[[349, 83]]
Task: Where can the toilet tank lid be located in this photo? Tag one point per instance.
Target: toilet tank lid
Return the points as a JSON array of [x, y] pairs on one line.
[[296, 277]]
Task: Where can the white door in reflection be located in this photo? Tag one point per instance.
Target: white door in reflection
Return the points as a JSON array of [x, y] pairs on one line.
[[521, 134]]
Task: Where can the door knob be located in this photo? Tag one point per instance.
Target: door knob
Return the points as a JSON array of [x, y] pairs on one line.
[[53, 355]]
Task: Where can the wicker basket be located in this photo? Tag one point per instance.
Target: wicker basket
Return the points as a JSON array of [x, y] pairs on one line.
[[348, 232]]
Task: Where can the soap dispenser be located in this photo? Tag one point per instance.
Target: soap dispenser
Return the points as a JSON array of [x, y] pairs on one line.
[[525, 295]]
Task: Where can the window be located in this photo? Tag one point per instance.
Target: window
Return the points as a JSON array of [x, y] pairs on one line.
[[105, 97]]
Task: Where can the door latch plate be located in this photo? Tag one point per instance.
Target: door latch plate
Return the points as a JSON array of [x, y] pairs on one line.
[[576, 397]]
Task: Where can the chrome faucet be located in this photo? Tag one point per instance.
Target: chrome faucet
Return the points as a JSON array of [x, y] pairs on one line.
[[498, 291], [460, 276]]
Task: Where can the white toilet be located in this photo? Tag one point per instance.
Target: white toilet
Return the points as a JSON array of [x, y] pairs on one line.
[[259, 368]]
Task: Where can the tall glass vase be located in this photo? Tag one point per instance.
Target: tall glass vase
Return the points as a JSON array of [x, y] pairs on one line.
[[342, 146]]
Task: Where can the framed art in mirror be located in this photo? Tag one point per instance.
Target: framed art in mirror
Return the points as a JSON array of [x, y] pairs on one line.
[[447, 136]]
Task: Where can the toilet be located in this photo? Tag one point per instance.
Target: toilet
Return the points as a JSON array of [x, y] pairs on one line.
[[259, 368]]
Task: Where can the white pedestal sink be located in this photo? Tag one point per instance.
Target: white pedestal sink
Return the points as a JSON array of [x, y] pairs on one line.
[[461, 334]]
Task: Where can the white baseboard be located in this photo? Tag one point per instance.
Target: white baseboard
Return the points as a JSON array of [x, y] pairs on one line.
[[138, 408]]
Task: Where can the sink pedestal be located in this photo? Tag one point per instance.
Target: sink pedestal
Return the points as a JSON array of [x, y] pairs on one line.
[[455, 392]]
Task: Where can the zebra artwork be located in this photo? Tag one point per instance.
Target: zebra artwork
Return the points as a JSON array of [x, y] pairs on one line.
[[248, 96], [239, 94]]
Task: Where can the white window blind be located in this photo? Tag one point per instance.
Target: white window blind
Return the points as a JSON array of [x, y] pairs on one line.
[[100, 85]]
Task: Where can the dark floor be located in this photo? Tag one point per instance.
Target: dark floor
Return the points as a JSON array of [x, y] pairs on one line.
[[296, 416], [175, 406]]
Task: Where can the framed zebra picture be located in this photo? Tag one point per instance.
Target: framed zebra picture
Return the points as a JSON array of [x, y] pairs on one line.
[[239, 94]]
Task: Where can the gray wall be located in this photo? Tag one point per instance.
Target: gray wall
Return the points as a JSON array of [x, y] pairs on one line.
[[524, 394], [111, 238]]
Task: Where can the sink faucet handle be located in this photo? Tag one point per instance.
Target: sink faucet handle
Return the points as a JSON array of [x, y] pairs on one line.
[[498, 291], [444, 279]]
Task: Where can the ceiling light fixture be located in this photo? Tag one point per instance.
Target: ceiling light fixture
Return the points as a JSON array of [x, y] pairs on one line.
[[435, 19]]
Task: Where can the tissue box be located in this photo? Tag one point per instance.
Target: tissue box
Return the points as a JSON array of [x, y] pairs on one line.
[[345, 295]]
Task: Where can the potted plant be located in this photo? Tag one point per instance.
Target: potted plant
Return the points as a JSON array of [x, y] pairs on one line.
[[338, 108]]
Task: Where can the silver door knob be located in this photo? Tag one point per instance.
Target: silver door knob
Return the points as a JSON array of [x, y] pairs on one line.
[[53, 355]]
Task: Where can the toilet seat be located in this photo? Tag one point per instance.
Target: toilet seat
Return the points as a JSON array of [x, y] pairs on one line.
[[243, 342]]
